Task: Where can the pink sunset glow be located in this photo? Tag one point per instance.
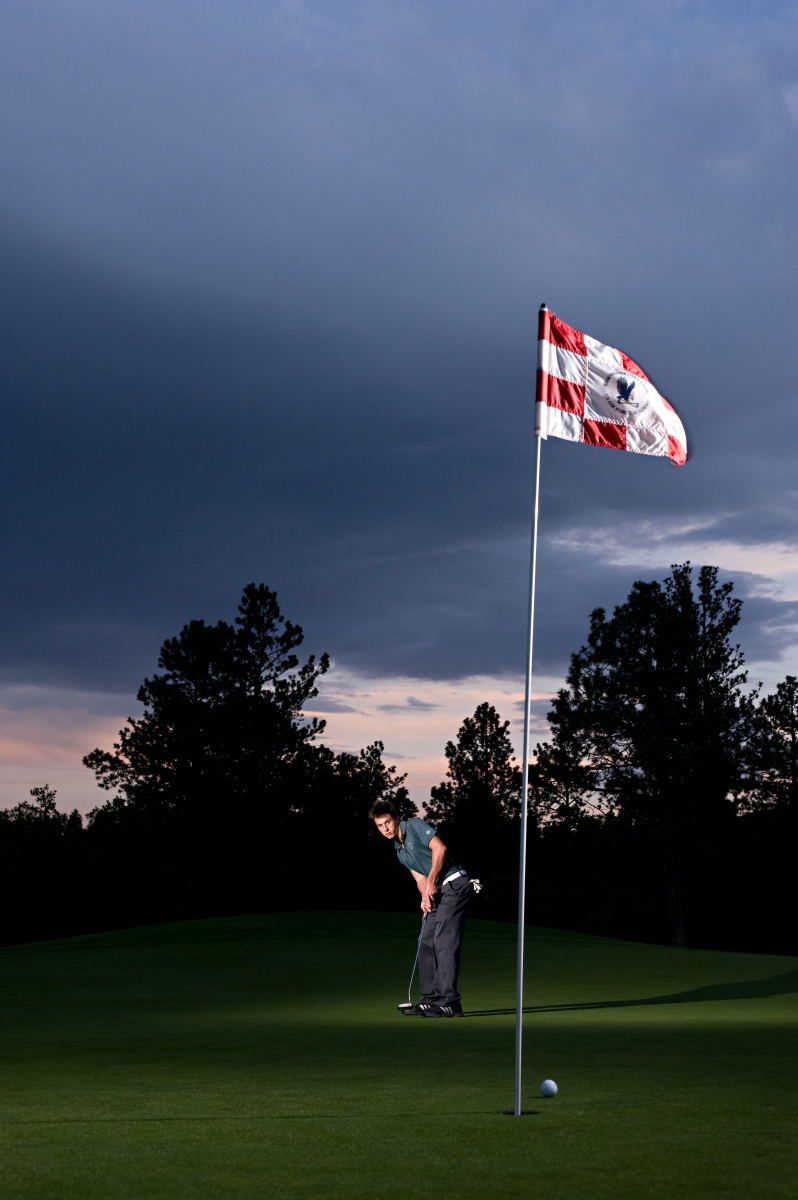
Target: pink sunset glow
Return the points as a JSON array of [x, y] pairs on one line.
[[45, 743]]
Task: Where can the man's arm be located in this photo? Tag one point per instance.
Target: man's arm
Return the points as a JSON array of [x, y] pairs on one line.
[[428, 883], [420, 880], [421, 883]]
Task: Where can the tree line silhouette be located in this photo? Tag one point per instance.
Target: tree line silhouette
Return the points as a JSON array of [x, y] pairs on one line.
[[664, 805]]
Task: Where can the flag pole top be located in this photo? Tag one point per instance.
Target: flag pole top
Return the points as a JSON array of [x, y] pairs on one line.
[[544, 308]]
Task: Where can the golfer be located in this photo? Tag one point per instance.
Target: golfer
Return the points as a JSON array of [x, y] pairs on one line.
[[446, 894]]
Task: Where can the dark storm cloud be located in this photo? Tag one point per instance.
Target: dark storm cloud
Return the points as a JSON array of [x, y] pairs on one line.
[[411, 704], [767, 630], [30, 698], [325, 705], [269, 302]]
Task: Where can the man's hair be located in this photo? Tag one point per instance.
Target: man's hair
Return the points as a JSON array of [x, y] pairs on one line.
[[383, 808]]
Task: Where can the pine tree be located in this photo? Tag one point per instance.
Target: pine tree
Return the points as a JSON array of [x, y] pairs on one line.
[[222, 722], [773, 750], [650, 726], [480, 797]]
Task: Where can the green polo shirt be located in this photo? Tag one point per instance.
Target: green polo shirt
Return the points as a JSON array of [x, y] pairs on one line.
[[413, 851]]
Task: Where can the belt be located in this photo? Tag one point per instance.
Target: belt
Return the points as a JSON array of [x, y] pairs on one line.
[[454, 875]]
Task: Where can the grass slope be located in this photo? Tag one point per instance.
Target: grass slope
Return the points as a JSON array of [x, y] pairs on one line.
[[263, 1057]]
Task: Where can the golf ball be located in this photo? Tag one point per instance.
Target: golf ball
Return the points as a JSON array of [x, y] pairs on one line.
[[548, 1088]]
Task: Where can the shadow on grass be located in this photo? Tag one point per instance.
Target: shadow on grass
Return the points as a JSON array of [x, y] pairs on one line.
[[749, 989], [323, 1116]]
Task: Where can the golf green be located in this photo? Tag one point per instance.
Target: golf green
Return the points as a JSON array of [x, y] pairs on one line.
[[264, 1056]]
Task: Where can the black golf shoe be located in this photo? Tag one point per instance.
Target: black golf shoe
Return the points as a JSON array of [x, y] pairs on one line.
[[443, 1010], [417, 1010]]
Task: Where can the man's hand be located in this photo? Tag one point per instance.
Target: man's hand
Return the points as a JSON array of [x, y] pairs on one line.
[[428, 896], [426, 883]]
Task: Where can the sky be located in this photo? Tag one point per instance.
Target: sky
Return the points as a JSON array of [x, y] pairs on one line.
[[269, 295]]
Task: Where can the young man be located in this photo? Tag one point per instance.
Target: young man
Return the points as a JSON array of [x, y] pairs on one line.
[[446, 894]]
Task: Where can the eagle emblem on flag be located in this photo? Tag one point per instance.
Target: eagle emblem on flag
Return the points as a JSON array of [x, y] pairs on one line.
[[623, 401]]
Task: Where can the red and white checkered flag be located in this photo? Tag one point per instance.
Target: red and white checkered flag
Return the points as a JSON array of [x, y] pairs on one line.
[[592, 393]]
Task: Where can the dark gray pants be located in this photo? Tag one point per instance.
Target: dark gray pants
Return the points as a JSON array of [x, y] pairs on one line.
[[441, 935]]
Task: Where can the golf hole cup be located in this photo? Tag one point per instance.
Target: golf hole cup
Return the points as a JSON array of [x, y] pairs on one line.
[[548, 1088]]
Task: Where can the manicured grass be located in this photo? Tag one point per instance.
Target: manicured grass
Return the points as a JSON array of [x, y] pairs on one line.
[[264, 1057]]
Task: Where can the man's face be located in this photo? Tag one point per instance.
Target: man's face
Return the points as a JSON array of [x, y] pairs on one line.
[[388, 826]]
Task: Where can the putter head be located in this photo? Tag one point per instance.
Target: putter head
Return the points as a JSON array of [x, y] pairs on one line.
[[403, 1006]]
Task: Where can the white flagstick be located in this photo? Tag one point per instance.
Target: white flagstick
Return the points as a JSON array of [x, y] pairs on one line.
[[540, 433]]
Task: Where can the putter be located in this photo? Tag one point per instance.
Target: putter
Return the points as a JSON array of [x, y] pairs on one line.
[[409, 1004]]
